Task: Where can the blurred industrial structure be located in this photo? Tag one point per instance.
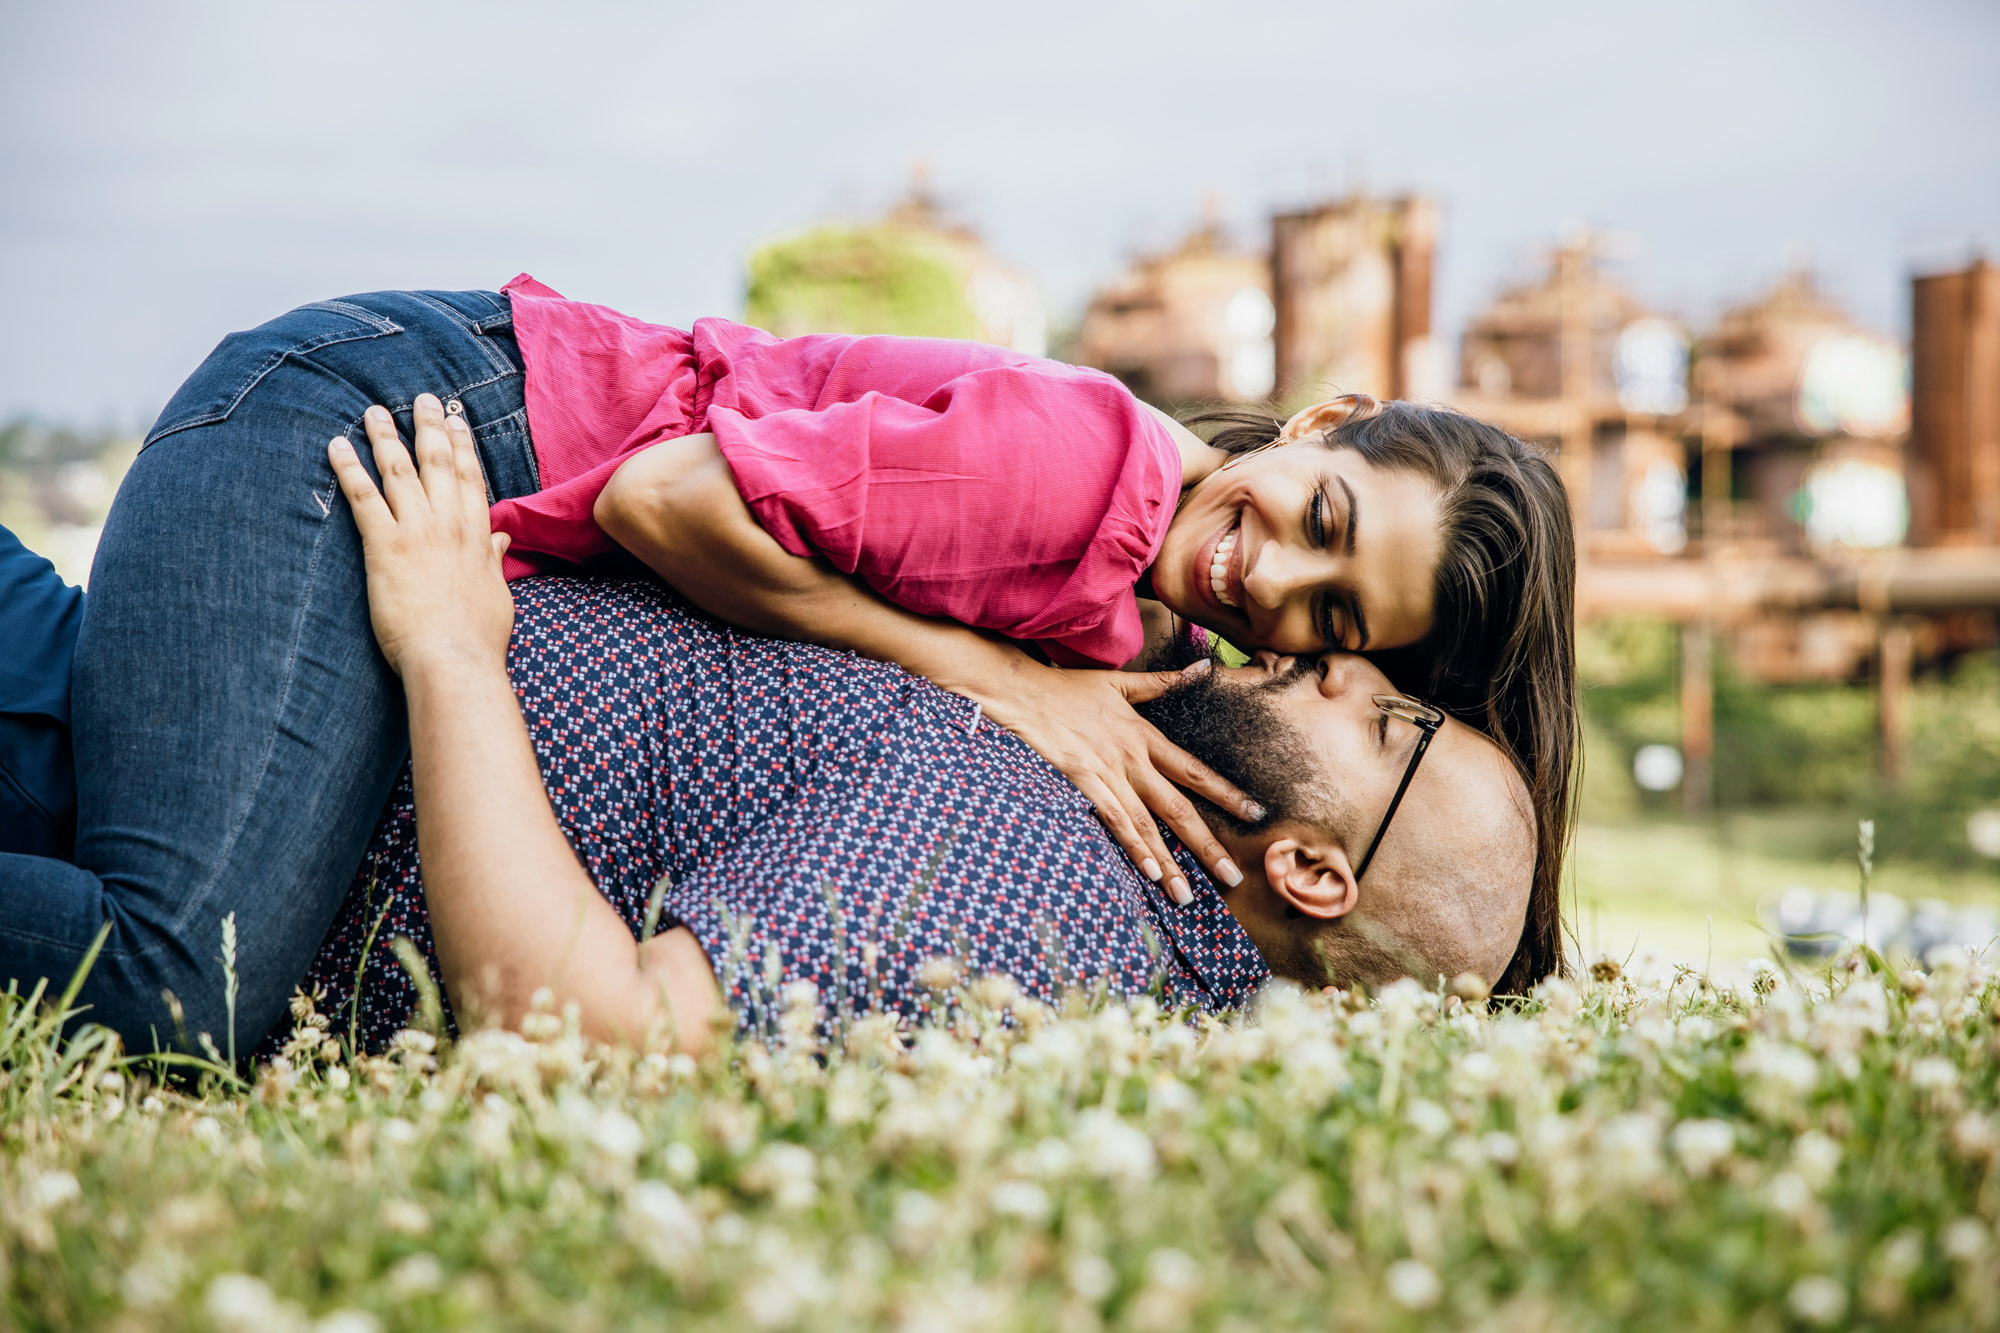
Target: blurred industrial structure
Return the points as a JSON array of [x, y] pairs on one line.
[[1760, 482], [1340, 301], [1191, 325]]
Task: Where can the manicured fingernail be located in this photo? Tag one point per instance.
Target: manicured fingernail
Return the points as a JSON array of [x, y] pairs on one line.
[[1230, 874], [1178, 890], [1254, 812], [1200, 668], [1151, 869], [340, 445]]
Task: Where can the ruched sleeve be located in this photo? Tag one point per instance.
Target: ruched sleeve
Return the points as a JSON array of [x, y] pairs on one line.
[[1024, 499]]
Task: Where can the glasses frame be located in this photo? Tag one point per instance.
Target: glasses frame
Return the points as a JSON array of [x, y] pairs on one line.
[[1427, 720]]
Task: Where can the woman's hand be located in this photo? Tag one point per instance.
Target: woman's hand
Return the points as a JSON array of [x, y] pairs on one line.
[[1083, 722], [435, 586]]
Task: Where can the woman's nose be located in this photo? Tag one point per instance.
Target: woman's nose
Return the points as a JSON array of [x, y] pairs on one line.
[[1277, 576]]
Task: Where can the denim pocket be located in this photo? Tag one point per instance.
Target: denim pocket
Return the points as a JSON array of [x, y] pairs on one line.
[[241, 360]]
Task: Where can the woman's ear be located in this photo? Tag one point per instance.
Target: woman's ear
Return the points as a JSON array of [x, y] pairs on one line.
[[1313, 878], [1326, 416]]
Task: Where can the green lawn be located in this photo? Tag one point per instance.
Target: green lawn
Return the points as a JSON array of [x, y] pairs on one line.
[[1804, 1153], [1656, 884]]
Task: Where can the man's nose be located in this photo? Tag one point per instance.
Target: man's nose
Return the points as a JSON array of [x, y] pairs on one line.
[[1342, 674]]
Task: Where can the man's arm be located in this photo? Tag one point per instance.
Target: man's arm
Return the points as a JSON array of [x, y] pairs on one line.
[[512, 910]]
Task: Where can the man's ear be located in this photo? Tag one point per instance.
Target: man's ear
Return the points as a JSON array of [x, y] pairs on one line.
[[1326, 416], [1314, 878]]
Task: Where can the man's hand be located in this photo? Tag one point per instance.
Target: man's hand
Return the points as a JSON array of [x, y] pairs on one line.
[[435, 587]]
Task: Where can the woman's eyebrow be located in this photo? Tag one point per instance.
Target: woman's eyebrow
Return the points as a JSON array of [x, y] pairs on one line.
[[1353, 512]]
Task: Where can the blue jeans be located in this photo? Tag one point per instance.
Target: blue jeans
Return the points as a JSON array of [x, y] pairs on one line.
[[236, 729]]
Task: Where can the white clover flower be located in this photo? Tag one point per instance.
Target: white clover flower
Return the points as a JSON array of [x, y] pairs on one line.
[[338, 1079], [416, 1275], [1052, 1159], [1963, 1239], [1933, 1073], [1171, 1098], [1780, 1066], [1975, 1136], [491, 1128], [1694, 1030], [1559, 998], [681, 1163], [404, 1217], [914, 1221], [1703, 1145], [207, 1129], [1428, 1118], [1405, 1000], [154, 1280], [1020, 1198], [1413, 1284], [995, 990], [1787, 1193], [788, 1173], [47, 1191], [660, 1225], [783, 1291], [938, 973], [1816, 1158], [1112, 1149], [1900, 1255], [1092, 1277], [1628, 1147], [1474, 1072], [240, 1303], [398, 1132], [1365, 1026], [617, 1136], [347, 1321], [1173, 1269], [1315, 1069], [1501, 1148], [1817, 1300]]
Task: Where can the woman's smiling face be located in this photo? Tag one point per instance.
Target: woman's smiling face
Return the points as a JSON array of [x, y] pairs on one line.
[[1302, 547]]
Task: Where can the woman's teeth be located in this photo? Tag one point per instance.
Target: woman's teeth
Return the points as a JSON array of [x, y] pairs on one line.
[[1218, 570]]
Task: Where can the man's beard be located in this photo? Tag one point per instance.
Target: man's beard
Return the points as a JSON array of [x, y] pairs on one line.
[[1237, 731]]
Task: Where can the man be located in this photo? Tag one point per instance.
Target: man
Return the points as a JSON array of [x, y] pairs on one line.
[[820, 817], [851, 822]]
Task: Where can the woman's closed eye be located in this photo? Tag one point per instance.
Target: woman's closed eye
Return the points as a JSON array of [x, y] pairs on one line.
[[1329, 618], [1318, 510]]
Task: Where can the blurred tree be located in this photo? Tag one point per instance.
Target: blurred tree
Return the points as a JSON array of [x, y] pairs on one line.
[[845, 279]]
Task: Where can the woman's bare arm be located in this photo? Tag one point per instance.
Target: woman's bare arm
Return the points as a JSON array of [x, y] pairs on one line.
[[511, 908], [676, 507]]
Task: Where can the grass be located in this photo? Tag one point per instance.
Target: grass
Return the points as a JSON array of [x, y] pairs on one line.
[[1680, 888], [1808, 1151]]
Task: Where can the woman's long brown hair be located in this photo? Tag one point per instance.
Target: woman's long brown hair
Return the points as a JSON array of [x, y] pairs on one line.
[[1501, 652]]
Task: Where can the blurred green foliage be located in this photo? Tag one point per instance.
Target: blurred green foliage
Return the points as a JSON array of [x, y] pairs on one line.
[[1797, 745], [837, 279]]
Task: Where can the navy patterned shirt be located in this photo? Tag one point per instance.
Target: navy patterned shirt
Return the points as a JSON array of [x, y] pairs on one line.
[[816, 816]]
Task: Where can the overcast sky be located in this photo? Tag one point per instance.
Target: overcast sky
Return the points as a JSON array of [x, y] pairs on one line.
[[169, 172]]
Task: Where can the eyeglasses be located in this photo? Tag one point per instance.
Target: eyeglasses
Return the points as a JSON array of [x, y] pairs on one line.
[[1427, 720]]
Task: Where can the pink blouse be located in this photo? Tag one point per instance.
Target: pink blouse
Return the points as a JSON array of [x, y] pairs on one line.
[[1003, 491]]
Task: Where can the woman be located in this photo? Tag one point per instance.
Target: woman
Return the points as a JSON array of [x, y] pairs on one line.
[[236, 732]]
